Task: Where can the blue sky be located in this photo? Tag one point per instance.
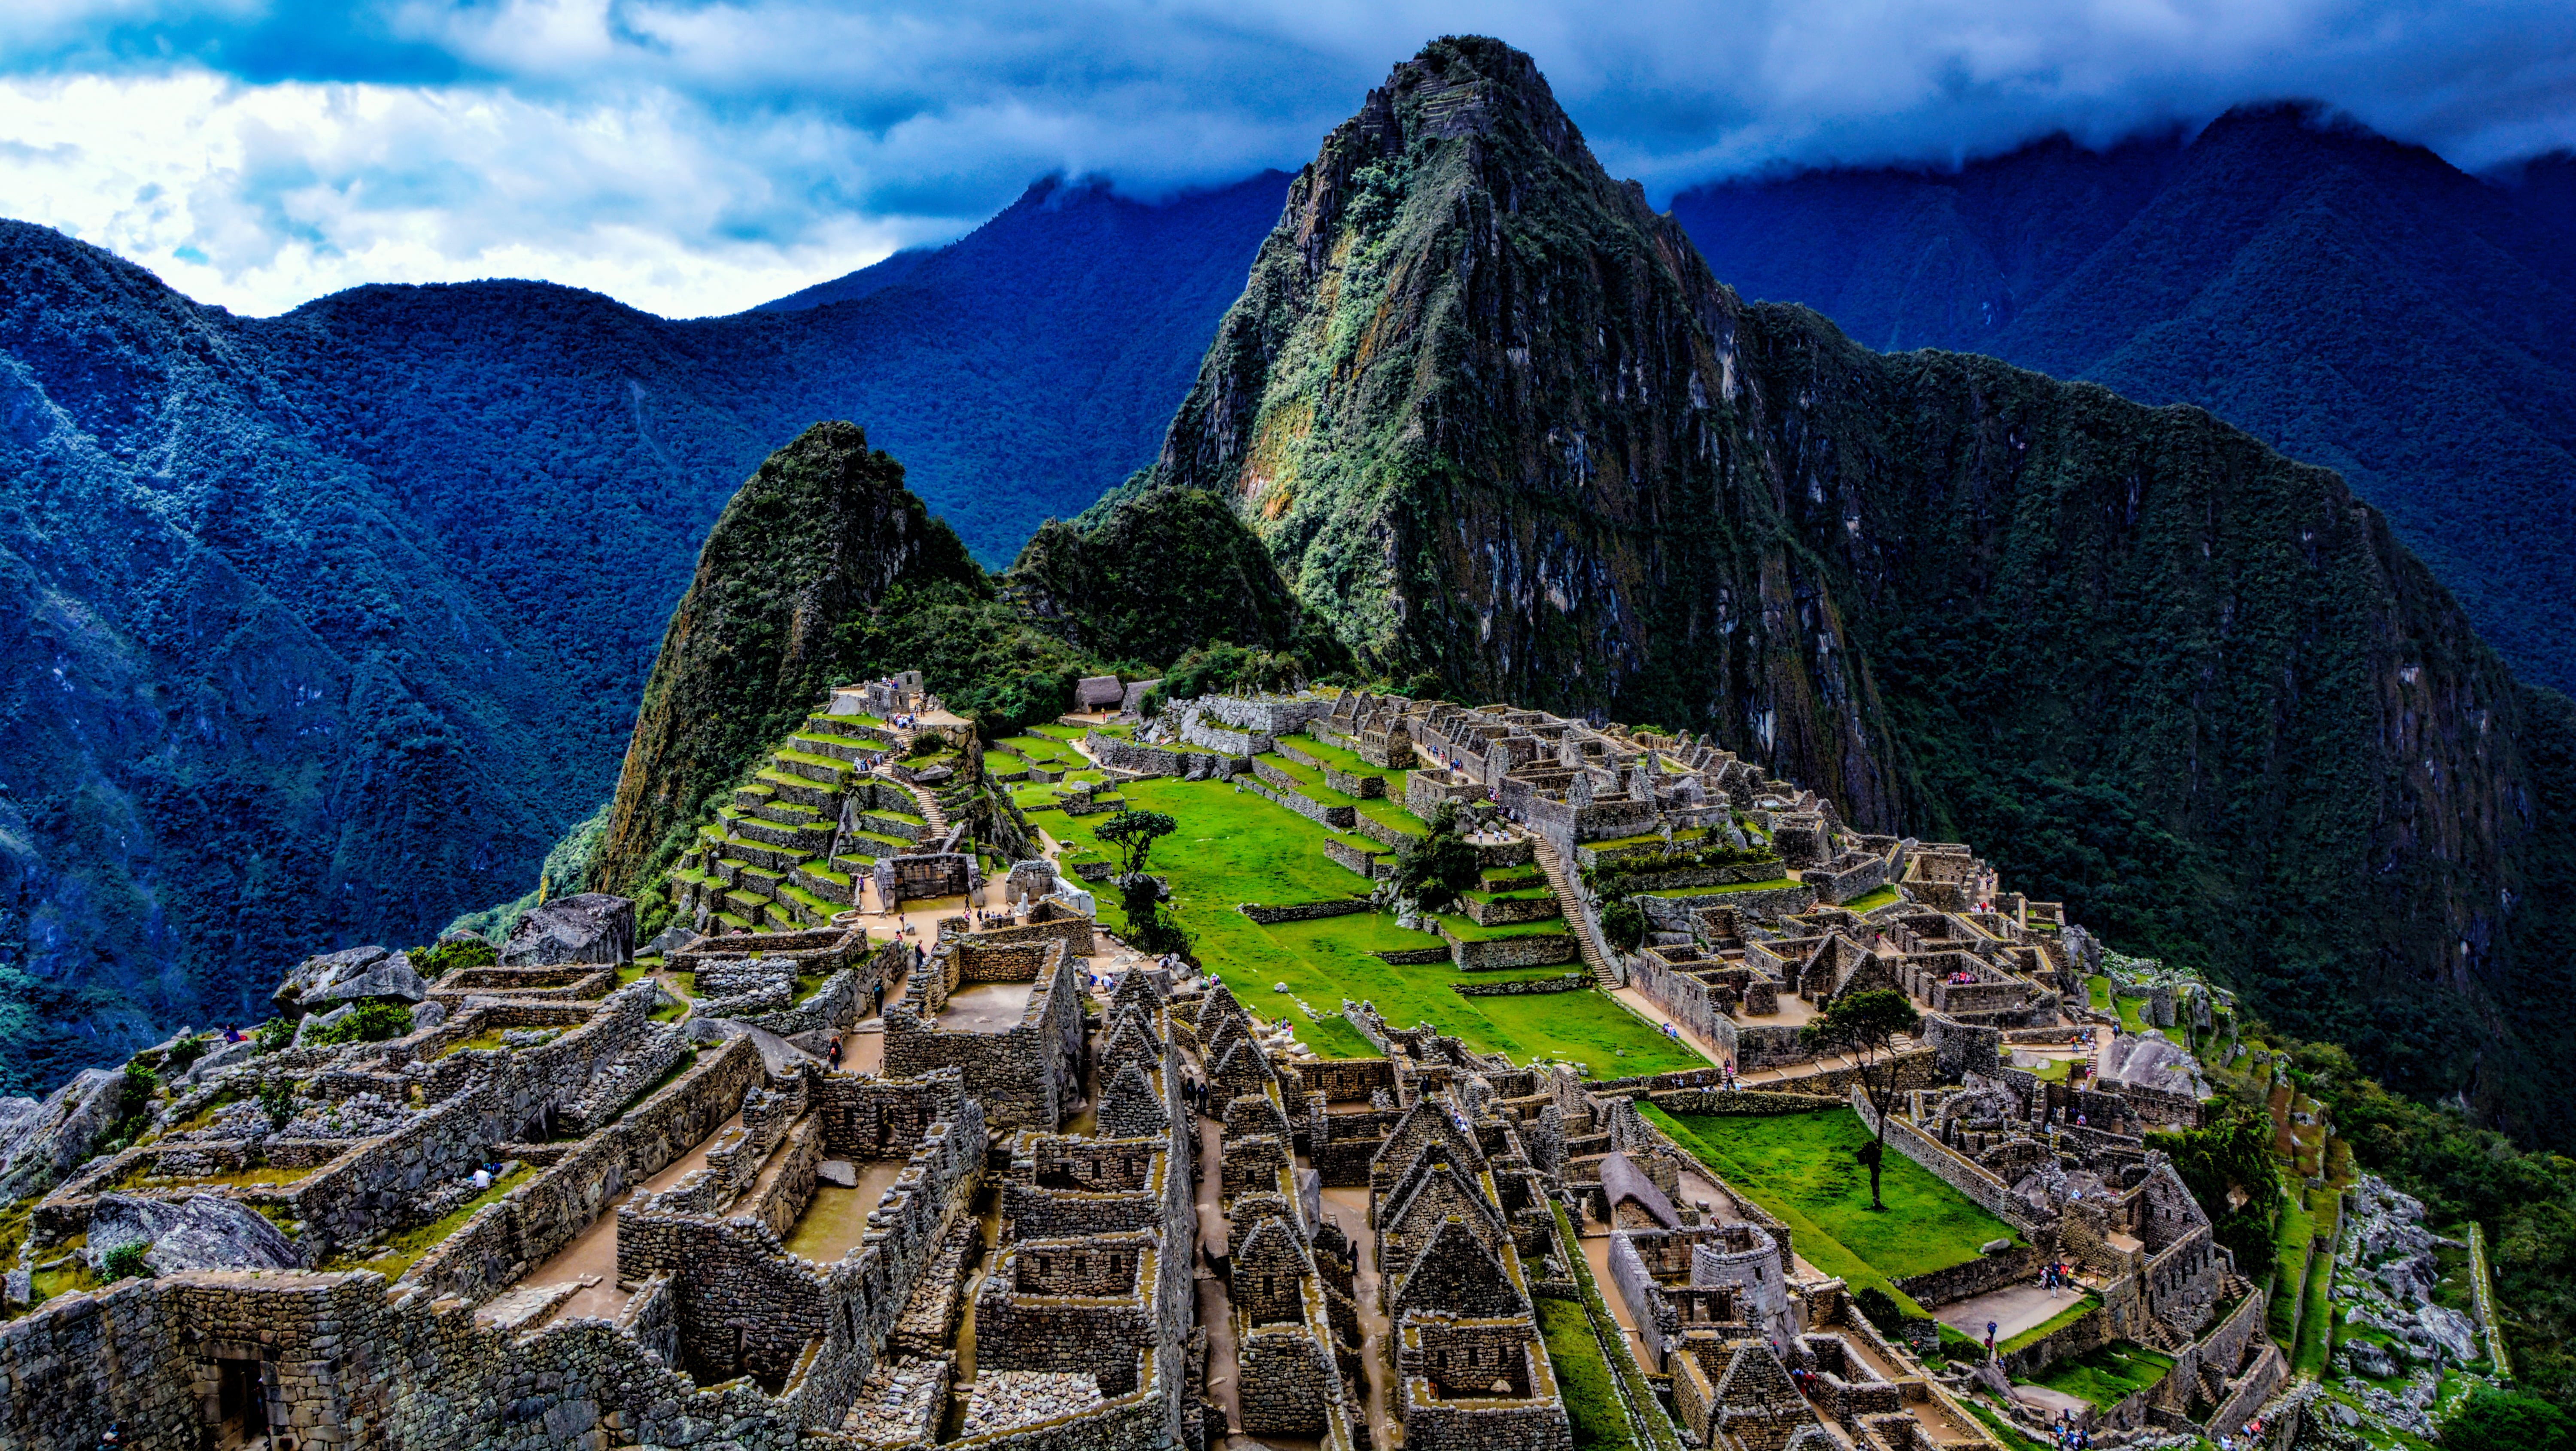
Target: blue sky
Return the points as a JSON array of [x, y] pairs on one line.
[[700, 157]]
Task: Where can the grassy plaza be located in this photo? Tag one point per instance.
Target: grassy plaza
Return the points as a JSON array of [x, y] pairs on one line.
[[1234, 847]]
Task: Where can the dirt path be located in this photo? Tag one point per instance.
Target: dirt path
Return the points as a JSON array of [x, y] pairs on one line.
[[1348, 1209]]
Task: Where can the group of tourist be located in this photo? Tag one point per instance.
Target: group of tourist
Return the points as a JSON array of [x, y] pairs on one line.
[[2055, 1276], [2067, 1434]]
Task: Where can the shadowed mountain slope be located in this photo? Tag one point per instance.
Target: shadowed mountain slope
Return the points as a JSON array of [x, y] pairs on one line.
[[2352, 301]]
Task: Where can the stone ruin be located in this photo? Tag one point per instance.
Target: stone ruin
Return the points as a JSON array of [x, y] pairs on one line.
[[599, 1200]]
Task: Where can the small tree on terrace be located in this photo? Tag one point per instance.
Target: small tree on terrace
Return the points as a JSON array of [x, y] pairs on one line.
[[1865, 1025], [1435, 867], [1133, 834]]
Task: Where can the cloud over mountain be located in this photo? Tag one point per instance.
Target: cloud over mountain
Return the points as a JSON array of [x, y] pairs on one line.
[[700, 157]]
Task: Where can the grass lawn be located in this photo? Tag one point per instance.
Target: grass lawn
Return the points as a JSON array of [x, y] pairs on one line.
[[1721, 890], [408, 1247], [2290, 1235], [2084, 1305], [1871, 901], [1234, 847], [2098, 991], [1582, 1377], [2109, 1374], [1804, 1161]]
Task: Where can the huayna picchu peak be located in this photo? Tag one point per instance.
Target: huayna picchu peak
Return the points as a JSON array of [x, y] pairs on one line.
[[1578, 863]]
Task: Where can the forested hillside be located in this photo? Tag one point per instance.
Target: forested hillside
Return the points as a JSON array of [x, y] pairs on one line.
[[336, 619], [2352, 301]]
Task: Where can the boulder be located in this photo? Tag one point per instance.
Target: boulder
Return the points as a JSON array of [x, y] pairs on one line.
[[2368, 1359], [672, 939], [427, 1015], [592, 927], [345, 976], [225, 1055], [838, 1171], [40, 1147], [200, 1232], [393, 979], [2453, 1331]]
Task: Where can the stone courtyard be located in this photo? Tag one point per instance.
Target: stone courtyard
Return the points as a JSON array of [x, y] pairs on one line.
[[890, 1140]]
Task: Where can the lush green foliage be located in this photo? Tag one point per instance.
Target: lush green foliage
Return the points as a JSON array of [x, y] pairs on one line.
[[1435, 867], [2495, 1420], [2526, 1200], [2227, 1165], [1134, 833], [1583, 1377], [393, 565], [124, 1261], [1809, 1164], [1233, 847], [452, 953], [373, 1021]]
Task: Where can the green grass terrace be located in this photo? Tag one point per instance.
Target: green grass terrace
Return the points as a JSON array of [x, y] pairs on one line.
[[1235, 847], [1800, 1167]]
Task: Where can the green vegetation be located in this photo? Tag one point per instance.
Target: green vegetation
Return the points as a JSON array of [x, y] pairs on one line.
[[1436, 867], [2083, 1305], [124, 1261], [1808, 1164], [1232, 847], [1865, 1025], [451, 953], [2495, 1420], [2228, 1162], [1583, 1377], [2109, 1374], [1872, 901], [373, 1021]]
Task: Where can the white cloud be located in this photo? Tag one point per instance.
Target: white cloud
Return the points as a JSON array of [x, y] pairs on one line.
[[698, 157]]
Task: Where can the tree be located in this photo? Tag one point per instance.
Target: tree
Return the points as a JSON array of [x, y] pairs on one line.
[[1434, 868], [1866, 1025], [1134, 833], [2227, 1166]]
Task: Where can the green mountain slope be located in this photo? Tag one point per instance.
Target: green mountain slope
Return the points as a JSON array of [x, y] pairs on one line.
[[1499, 423]]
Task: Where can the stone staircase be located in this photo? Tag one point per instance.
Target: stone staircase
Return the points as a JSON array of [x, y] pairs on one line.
[[931, 812], [1569, 898]]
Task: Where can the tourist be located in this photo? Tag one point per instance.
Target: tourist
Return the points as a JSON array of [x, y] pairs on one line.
[[482, 1178], [836, 1055]]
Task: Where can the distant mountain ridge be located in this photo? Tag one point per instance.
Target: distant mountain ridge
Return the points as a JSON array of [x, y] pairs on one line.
[[335, 620], [2353, 301]]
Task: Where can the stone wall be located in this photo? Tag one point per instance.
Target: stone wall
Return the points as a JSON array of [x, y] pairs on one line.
[[149, 1354], [1536, 949], [1976, 1277], [534, 1221], [1947, 1165], [1022, 1076], [1571, 982], [1305, 911]]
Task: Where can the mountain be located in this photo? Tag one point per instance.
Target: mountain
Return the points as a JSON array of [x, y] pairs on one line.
[[2351, 300], [1501, 425], [335, 620], [825, 568]]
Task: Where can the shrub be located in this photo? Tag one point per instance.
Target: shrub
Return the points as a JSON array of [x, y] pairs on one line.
[[187, 1051], [2495, 1420], [125, 1261], [371, 1022], [272, 1035], [1624, 923], [277, 1099], [452, 953]]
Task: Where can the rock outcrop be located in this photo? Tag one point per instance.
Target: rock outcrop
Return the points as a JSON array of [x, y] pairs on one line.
[[200, 1232], [42, 1142], [356, 974], [590, 927]]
